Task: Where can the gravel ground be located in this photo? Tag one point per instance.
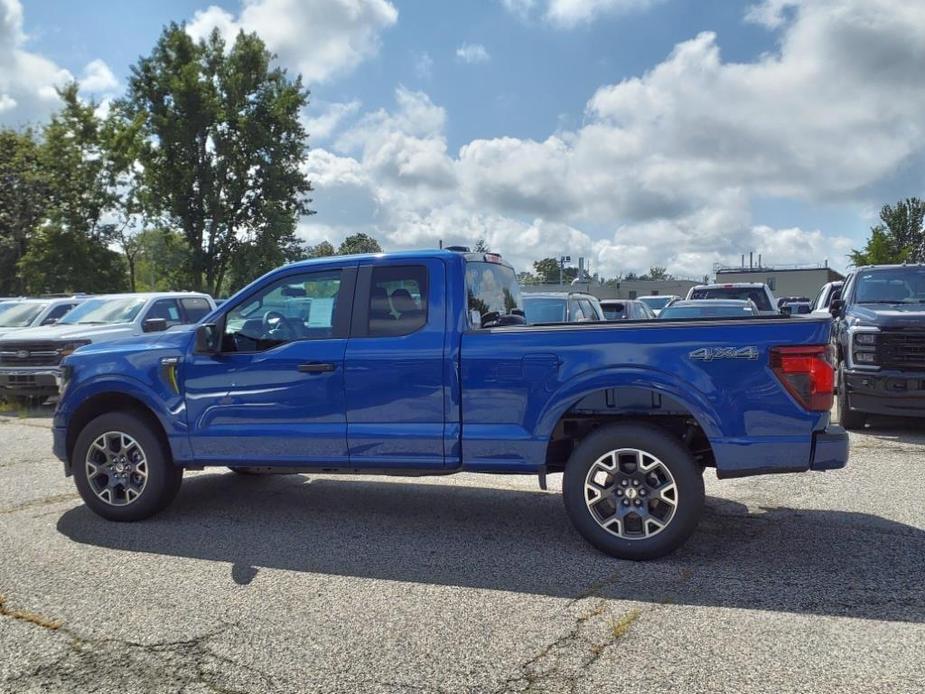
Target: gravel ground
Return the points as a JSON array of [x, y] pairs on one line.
[[795, 583]]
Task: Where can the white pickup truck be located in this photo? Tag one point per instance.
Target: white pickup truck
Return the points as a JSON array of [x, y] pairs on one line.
[[19, 314], [30, 358]]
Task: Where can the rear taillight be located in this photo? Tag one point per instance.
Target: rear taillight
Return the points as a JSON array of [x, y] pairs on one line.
[[807, 374]]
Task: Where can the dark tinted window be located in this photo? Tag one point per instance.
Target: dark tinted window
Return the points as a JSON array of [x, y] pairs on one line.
[[397, 300], [168, 309], [615, 311], [759, 296], [196, 309], [58, 311]]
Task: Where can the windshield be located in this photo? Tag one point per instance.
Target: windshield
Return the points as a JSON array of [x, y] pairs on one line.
[[719, 311], [739, 293], [492, 288], [104, 311], [656, 303], [902, 285], [540, 310], [19, 315]]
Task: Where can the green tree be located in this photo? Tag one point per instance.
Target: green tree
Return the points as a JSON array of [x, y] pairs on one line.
[[322, 250], [359, 243], [900, 237], [69, 250], [657, 272], [23, 201], [162, 260], [216, 134], [547, 270]]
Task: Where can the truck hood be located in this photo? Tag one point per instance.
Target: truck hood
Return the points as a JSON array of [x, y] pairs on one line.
[[74, 332], [176, 338], [888, 315]]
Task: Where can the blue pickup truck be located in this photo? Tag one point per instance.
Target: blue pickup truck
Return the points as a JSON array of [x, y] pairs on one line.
[[422, 364]]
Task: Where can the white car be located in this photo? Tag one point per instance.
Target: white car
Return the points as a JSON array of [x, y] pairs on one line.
[[19, 314], [823, 300], [30, 358], [758, 292], [658, 301]]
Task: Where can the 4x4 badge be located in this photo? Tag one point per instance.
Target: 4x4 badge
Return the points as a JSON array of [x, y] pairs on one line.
[[713, 353]]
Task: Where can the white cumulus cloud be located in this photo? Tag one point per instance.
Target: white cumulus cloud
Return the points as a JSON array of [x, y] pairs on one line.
[[321, 39], [571, 13], [473, 53], [667, 165]]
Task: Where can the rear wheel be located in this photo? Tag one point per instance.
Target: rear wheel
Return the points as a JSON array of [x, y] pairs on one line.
[[633, 491], [122, 470], [852, 421]]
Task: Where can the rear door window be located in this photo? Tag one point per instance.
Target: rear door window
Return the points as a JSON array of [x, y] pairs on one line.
[[397, 303]]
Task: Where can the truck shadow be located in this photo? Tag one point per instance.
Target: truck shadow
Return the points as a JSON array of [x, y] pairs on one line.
[[781, 559]]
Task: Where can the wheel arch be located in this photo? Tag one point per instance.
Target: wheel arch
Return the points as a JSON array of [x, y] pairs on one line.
[[623, 395], [112, 401]]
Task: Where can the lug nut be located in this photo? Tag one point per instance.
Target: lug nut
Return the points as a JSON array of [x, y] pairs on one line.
[[638, 502], [626, 502], [619, 492], [635, 483], [624, 483], [642, 492]]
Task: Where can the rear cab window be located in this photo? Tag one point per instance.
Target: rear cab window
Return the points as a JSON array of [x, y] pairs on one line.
[[493, 291]]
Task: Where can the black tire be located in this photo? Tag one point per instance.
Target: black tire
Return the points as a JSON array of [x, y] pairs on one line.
[[669, 453], [163, 477], [848, 418]]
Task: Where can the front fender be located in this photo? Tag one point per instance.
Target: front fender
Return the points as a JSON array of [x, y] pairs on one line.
[[572, 391], [169, 408]]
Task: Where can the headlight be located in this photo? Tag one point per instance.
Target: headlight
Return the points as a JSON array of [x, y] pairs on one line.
[[70, 347], [865, 358], [865, 339]]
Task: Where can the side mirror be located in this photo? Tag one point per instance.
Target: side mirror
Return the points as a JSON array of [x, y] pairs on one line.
[[49, 321], [154, 325], [786, 310], [207, 339], [836, 307]]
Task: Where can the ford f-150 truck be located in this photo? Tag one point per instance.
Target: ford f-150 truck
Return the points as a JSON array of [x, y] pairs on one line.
[[421, 363], [880, 342]]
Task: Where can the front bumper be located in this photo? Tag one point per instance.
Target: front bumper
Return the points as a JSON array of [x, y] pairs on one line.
[[30, 380], [892, 393]]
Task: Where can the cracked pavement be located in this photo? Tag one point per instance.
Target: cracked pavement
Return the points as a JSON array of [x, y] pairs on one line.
[[314, 583]]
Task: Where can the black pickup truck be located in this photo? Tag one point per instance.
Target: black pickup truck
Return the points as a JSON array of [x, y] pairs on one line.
[[880, 341]]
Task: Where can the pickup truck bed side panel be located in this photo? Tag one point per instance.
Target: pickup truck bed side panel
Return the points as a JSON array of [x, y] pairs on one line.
[[514, 392]]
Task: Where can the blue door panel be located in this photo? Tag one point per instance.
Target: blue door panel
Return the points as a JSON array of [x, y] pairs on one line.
[[396, 387]]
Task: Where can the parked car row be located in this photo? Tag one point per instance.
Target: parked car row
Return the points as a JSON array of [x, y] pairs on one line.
[[36, 334]]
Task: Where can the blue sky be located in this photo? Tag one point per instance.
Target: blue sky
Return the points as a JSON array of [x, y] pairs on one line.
[[633, 132]]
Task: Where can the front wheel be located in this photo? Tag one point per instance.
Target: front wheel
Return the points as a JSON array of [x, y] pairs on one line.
[[122, 469], [633, 491]]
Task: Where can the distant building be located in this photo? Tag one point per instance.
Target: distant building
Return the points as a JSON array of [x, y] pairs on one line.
[[783, 280], [619, 289]]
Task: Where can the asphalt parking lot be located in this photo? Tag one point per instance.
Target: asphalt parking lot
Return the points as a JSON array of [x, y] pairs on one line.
[[795, 583]]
